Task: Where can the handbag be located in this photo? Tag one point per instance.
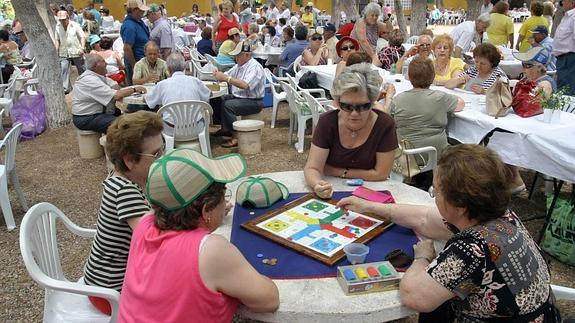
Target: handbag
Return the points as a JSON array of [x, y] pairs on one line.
[[404, 164], [524, 103], [498, 98], [559, 235], [308, 81]]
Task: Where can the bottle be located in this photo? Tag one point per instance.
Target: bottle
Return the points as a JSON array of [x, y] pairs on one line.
[[267, 40], [404, 69], [392, 69]]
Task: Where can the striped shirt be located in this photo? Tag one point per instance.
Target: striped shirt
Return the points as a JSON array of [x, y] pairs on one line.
[[122, 199], [486, 84]]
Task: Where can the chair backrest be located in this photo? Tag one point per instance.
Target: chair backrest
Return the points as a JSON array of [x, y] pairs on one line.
[[412, 40], [292, 97], [8, 90], [190, 118], [571, 106], [297, 63], [218, 65], [315, 107], [196, 56], [269, 77], [9, 143]]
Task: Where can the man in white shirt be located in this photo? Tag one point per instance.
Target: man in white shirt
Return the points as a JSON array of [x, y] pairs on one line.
[[564, 48], [469, 32], [273, 13], [246, 80], [486, 7], [70, 42], [285, 12]]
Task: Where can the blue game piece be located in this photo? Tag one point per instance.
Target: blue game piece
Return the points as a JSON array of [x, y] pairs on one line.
[[349, 275], [260, 255]]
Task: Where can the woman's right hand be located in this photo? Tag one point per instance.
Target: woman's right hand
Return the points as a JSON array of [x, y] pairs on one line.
[[355, 204], [323, 189]]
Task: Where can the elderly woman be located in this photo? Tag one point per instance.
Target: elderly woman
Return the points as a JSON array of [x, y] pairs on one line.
[[480, 77], [178, 270], [133, 142], [205, 45], [421, 49], [229, 45], [529, 24], [390, 55], [316, 53], [421, 114], [344, 47], [224, 22], [490, 269], [353, 141], [366, 29], [446, 67], [501, 30]]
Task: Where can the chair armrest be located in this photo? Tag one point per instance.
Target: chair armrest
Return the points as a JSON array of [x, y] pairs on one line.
[[431, 156], [320, 91]]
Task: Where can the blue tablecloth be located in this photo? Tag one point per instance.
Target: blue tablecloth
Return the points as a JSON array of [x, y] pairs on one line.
[[292, 264]]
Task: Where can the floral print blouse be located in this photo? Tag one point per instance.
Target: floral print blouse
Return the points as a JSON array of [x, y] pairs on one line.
[[495, 269]]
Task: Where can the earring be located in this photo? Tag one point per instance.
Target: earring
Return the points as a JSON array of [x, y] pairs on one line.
[[207, 219]]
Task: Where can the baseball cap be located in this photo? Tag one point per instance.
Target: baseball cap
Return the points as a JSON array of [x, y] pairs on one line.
[[154, 8], [330, 27], [539, 55], [260, 192], [540, 29], [62, 15], [178, 178], [309, 4], [233, 31], [242, 46], [131, 4]]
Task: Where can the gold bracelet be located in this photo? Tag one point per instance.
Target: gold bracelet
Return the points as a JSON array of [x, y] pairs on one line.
[[229, 79], [428, 260]]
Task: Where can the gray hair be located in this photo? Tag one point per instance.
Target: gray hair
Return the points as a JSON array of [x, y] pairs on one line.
[[484, 18], [420, 38], [372, 7], [357, 78], [91, 60], [176, 63]]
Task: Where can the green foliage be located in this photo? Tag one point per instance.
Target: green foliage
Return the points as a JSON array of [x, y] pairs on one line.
[[6, 9], [556, 101]]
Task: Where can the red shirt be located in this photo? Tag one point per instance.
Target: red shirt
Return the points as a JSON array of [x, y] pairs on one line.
[[346, 29], [225, 25]]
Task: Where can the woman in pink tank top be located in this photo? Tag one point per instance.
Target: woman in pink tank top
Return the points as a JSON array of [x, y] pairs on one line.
[[177, 270]]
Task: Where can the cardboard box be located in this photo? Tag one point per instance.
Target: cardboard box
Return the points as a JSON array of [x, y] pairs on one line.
[[368, 278]]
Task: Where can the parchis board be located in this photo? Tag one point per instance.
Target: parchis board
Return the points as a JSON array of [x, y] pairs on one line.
[[317, 228]]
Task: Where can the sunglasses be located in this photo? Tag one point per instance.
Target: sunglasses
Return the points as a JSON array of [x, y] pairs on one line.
[[351, 107], [316, 38], [527, 65], [346, 48], [424, 45], [155, 155]]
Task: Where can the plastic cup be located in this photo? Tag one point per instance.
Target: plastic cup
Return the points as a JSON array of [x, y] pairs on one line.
[[356, 252]]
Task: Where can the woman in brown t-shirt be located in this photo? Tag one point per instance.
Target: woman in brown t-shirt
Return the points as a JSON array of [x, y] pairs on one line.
[[354, 141]]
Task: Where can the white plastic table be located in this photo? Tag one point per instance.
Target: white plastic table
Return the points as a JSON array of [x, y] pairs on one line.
[[322, 300]]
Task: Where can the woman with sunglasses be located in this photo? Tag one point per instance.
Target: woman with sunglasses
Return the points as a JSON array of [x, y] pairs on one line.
[[490, 270], [316, 53], [421, 49], [344, 47], [446, 67], [133, 142], [353, 141]]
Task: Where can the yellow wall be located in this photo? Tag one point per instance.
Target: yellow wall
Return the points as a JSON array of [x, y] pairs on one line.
[[455, 4]]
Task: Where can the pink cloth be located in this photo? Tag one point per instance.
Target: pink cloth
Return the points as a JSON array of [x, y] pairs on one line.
[[163, 282]]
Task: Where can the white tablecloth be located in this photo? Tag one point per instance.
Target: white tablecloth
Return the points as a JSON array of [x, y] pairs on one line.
[[267, 53]]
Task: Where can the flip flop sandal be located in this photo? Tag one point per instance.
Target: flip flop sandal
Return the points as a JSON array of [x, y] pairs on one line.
[[399, 259], [230, 144]]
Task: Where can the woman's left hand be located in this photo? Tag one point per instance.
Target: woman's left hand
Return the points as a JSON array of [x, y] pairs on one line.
[[424, 249], [477, 89]]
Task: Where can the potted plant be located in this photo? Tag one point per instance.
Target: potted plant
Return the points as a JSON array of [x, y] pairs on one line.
[[553, 104]]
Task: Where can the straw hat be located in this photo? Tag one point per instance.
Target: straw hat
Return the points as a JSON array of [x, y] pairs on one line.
[[260, 192]]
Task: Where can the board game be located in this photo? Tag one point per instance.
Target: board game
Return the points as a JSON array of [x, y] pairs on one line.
[[317, 228]]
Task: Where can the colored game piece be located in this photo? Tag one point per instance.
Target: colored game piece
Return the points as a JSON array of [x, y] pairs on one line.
[[252, 213], [265, 261], [361, 273], [384, 270], [259, 255], [273, 261], [372, 272], [349, 275]]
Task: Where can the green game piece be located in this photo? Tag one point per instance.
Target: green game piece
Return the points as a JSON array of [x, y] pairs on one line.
[[384, 270]]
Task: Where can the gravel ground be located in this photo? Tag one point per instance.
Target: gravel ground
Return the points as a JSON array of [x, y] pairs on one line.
[[51, 170]]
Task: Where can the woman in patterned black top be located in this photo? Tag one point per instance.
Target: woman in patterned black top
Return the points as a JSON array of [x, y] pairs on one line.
[[133, 142], [490, 267]]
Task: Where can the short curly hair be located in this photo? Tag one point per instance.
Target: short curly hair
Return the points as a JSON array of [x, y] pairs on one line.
[[126, 134], [421, 72], [474, 177], [443, 39], [489, 52], [396, 38], [537, 8]]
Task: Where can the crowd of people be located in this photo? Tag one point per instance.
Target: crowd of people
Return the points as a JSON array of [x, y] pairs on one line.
[[156, 221]]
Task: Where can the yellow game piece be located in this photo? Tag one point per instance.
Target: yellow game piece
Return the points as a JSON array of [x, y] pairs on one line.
[[361, 273]]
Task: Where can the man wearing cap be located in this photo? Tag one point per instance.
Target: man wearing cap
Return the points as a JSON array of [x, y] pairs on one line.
[[246, 80], [564, 48], [541, 38], [151, 68], [94, 93], [330, 40], [70, 40], [135, 35], [161, 33]]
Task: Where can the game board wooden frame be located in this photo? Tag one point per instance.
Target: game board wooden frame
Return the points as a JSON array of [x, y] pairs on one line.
[[252, 226]]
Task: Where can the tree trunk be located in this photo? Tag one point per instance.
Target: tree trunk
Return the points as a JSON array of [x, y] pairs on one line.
[[349, 7], [49, 75], [417, 23], [215, 10], [440, 4], [473, 9], [400, 17]]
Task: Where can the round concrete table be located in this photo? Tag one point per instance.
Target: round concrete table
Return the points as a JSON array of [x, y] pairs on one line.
[[322, 300]]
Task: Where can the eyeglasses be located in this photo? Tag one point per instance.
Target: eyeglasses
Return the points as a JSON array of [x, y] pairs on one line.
[[346, 48], [228, 195], [424, 45], [351, 107], [316, 38], [155, 155], [527, 65], [432, 192]]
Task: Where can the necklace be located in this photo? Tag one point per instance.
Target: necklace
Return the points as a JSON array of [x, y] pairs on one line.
[[441, 69], [353, 133]]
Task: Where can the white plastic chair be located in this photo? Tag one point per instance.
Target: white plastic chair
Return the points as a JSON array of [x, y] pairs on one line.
[[412, 40], [297, 63], [294, 84], [200, 73], [317, 107], [191, 121], [8, 170], [221, 67], [431, 159], [277, 96], [64, 301], [298, 115], [565, 293], [8, 93]]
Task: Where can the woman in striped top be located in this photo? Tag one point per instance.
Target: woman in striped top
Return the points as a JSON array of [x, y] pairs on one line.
[[483, 74], [134, 141]]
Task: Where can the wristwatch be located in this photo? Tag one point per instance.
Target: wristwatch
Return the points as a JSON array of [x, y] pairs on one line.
[[344, 174]]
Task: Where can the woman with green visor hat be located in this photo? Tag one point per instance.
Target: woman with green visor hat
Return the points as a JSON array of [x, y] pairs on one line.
[[179, 271]]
